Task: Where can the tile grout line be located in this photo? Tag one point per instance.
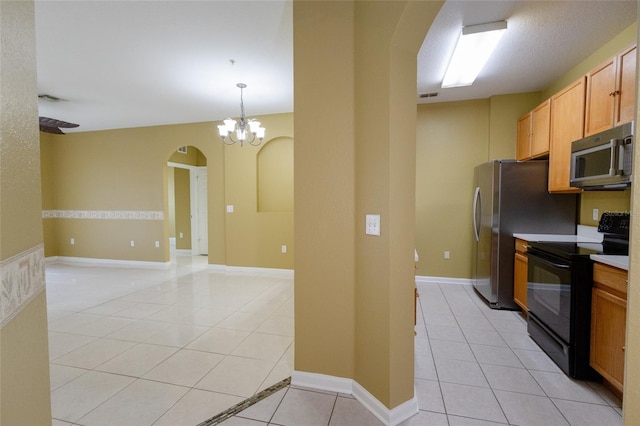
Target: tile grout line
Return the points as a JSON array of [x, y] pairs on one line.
[[426, 335], [333, 408], [474, 354], [546, 394]]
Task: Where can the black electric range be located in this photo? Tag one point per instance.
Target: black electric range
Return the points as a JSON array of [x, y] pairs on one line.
[[560, 279], [571, 250]]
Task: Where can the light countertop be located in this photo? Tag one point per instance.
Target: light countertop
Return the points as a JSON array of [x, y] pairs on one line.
[[616, 261], [585, 234], [557, 238]]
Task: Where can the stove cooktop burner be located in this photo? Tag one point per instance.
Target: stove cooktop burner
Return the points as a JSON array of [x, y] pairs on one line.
[[570, 250]]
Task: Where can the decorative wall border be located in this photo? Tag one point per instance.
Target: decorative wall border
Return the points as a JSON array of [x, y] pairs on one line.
[[23, 278], [103, 214]]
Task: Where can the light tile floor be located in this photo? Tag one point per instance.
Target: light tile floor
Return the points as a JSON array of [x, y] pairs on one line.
[[176, 346], [473, 366], [163, 346]]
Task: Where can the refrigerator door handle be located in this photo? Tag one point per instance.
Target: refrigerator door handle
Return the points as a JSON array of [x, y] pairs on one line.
[[477, 201]]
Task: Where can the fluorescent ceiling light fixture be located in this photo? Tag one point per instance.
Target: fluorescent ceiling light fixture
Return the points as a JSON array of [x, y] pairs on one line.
[[475, 45]]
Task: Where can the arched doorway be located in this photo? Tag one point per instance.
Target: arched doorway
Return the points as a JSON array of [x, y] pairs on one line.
[[187, 201]]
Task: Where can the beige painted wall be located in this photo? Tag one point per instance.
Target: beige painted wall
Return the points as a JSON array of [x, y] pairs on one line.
[[275, 176], [253, 238], [453, 138], [24, 354], [504, 111], [630, 407], [604, 201], [324, 192], [131, 175], [354, 292], [193, 157]]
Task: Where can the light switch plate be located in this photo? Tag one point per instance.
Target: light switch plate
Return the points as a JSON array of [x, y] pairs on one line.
[[229, 208], [372, 226]]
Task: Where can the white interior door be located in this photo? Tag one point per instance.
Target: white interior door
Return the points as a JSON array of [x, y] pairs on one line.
[[201, 219]]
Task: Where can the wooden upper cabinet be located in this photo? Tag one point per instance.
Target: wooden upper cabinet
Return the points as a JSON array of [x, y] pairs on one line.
[[611, 92], [567, 124], [601, 84], [626, 99], [523, 147], [533, 132], [540, 121]]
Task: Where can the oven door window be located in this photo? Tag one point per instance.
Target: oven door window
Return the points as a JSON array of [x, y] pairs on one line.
[[549, 294]]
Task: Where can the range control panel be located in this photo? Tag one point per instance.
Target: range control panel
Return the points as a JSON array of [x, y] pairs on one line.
[[614, 223]]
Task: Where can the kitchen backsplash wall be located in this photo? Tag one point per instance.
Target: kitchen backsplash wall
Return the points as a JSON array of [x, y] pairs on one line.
[[604, 201]]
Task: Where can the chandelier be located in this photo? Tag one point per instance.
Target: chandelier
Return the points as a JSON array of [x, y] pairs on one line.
[[245, 130]]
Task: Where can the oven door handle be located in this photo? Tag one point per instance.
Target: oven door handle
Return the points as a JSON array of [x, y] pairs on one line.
[[548, 262]]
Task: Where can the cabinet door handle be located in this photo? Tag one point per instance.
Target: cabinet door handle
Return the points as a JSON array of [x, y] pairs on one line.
[[623, 348]]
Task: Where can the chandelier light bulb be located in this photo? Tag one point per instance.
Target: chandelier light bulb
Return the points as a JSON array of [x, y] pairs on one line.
[[245, 130]]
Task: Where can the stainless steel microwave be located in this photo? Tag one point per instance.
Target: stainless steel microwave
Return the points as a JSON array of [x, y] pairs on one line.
[[603, 161]]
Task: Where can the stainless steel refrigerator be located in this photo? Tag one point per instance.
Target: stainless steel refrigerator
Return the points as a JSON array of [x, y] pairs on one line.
[[511, 197]]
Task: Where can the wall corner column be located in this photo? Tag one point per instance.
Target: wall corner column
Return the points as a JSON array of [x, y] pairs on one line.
[[355, 130]]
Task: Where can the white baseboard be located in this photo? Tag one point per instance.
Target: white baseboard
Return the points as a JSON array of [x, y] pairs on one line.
[[217, 267], [443, 280], [106, 262], [246, 270], [324, 382]]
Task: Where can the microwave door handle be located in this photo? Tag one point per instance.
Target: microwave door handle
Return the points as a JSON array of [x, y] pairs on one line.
[[613, 165], [621, 155]]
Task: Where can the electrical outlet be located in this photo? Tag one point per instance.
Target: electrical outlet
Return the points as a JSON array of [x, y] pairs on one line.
[[229, 208], [181, 235], [72, 241], [284, 248], [157, 244], [372, 226], [447, 254], [596, 214], [133, 243]]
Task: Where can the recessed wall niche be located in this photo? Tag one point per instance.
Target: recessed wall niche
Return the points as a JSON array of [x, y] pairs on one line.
[[275, 176]]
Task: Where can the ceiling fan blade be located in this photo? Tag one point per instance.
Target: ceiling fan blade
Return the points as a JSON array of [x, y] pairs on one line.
[[52, 122], [54, 130]]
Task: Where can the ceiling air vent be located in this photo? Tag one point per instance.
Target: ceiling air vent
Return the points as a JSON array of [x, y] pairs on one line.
[[428, 95]]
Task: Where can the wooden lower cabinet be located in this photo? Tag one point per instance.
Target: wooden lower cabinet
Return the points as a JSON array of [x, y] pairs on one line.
[[520, 265], [608, 323]]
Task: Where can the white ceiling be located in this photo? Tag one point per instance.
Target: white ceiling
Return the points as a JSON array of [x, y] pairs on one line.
[[120, 64], [544, 40]]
